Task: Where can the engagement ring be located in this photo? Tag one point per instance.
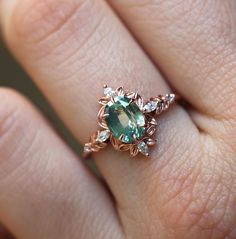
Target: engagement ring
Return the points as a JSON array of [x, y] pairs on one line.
[[127, 122]]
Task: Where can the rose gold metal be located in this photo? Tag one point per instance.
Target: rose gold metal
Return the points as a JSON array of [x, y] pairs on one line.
[[151, 142], [134, 150], [118, 144], [130, 95], [162, 103], [93, 145], [120, 91], [101, 118], [139, 101], [103, 101]]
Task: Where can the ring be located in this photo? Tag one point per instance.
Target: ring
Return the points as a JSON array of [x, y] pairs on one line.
[[127, 122]]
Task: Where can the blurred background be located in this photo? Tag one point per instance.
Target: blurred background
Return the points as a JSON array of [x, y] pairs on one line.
[[12, 75]]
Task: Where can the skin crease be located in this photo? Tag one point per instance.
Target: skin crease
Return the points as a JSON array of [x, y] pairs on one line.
[[187, 188]]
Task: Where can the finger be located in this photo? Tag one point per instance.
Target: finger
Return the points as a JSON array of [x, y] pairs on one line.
[[45, 191], [80, 46], [193, 43]]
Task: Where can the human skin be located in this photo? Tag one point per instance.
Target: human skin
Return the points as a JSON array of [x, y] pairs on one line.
[[70, 48]]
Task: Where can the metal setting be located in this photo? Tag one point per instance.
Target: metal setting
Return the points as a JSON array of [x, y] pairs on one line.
[[154, 106]]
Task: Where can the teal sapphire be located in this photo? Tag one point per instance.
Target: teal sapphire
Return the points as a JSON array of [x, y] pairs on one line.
[[124, 119]]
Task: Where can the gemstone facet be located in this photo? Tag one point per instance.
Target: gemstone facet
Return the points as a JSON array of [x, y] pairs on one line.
[[124, 119]]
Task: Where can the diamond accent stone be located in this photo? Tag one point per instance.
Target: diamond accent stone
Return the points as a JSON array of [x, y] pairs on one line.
[[170, 97], [150, 106], [143, 148], [108, 91], [103, 136], [87, 148]]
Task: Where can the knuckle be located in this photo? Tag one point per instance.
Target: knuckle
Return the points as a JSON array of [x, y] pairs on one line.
[[14, 140], [36, 19], [44, 26]]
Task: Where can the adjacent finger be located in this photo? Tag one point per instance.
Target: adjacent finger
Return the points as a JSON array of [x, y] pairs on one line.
[[46, 192], [193, 43]]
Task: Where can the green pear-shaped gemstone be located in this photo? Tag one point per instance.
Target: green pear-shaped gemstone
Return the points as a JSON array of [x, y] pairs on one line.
[[125, 119]]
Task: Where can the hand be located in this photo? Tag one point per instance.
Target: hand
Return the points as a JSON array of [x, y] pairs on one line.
[[187, 189]]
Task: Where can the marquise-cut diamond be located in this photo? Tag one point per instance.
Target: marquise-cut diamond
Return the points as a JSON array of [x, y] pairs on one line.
[[108, 91], [87, 148], [150, 106], [170, 97], [125, 119], [103, 135], [143, 148]]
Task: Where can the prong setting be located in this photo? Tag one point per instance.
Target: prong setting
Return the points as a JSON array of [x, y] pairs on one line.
[[141, 144]]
